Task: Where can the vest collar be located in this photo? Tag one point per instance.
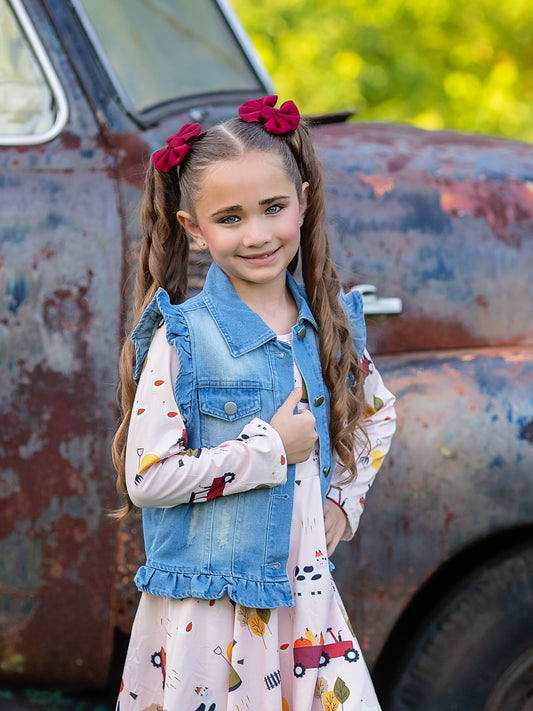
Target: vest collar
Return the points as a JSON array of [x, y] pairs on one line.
[[241, 327]]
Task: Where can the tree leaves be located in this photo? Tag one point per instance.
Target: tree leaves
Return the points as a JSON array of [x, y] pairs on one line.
[[342, 692], [264, 615], [321, 687], [442, 64], [243, 614], [330, 701], [257, 625]]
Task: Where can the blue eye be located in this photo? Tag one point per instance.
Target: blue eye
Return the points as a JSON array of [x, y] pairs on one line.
[[274, 209], [229, 220]]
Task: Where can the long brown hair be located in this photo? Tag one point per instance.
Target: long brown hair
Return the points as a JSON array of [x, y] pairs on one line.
[[163, 262]]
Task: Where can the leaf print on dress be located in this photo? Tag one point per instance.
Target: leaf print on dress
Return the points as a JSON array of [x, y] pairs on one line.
[[257, 622], [341, 691], [243, 613], [257, 626], [321, 687], [265, 615], [330, 701]]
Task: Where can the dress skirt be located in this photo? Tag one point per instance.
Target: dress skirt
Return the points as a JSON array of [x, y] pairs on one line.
[[215, 655]]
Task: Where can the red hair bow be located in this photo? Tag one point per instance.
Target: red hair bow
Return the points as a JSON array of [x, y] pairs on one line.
[[278, 121], [178, 145]]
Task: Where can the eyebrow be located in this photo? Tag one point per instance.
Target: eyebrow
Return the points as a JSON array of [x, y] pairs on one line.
[[237, 208]]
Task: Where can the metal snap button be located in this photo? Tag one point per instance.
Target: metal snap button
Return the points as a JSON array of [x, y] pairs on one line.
[[301, 333], [230, 408], [319, 400], [326, 471]]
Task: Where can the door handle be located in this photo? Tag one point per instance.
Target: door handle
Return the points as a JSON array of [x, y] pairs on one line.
[[373, 305]]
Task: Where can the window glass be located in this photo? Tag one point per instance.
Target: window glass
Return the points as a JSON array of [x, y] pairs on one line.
[[27, 106], [160, 50]]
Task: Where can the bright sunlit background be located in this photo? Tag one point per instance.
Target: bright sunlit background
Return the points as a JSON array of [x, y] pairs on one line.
[[458, 64]]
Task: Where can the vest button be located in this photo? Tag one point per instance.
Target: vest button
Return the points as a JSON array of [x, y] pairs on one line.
[[326, 471], [319, 400], [230, 408], [301, 333]]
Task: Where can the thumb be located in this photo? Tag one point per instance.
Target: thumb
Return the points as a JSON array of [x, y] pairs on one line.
[[291, 403]]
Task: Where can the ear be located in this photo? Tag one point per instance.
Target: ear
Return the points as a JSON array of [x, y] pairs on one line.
[[190, 226], [303, 201]]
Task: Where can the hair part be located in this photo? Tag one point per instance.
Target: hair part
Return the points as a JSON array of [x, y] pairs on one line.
[[164, 256]]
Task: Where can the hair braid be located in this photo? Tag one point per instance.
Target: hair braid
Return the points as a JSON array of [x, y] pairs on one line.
[[163, 262], [340, 363]]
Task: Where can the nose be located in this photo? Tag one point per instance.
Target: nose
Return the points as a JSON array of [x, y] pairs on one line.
[[256, 233]]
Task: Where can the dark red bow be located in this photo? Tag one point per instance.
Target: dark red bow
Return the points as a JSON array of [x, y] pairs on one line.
[[178, 145], [278, 121]]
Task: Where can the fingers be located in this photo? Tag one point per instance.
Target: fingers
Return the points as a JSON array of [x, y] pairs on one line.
[[297, 430], [291, 403], [334, 525]]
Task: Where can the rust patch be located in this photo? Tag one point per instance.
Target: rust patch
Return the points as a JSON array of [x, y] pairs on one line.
[[71, 141], [419, 333], [501, 205], [381, 184], [131, 154], [130, 555]]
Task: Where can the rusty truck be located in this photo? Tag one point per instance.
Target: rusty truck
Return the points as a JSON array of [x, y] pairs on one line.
[[436, 230]]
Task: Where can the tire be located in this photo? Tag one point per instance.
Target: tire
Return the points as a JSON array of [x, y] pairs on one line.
[[476, 654], [351, 655], [299, 670], [324, 659]]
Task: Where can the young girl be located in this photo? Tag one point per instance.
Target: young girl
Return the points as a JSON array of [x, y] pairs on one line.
[[257, 425]]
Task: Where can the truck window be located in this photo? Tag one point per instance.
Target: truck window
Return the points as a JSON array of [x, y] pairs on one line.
[[158, 51], [33, 108]]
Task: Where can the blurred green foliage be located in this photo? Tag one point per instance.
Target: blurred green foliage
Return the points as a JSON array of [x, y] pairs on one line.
[[459, 64]]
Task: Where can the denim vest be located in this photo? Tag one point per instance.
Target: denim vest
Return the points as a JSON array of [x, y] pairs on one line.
[[232, 368]]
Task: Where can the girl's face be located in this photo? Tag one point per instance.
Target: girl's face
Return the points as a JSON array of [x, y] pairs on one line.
[[248, 216]]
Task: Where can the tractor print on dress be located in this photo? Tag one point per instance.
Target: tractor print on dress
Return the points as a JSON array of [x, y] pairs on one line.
[[312, 653], [213, 491]]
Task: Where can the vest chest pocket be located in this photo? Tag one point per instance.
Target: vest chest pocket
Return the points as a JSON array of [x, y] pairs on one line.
[[225, 411]]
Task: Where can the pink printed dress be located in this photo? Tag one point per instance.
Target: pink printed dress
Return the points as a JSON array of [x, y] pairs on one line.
[[215, 655]]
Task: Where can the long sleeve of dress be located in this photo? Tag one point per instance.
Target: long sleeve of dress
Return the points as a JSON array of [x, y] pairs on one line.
[[380, 426], [161, 471]]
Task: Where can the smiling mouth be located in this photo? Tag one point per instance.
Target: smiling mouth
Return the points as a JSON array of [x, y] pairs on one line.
[[262, 255]]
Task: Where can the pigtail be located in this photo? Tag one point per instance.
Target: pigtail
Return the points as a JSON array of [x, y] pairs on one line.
[[163, 262], [340, 362]]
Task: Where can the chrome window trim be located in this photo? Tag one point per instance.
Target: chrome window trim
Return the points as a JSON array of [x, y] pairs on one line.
[[51, 78], [236, 28], [245, 42], [101, 54]]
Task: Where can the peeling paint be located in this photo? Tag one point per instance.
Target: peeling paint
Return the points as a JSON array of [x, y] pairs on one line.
[[381, 184], [503, 206], [526, 430]]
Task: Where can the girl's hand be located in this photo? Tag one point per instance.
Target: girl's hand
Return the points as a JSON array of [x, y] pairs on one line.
[[334, 524], [297, 431]]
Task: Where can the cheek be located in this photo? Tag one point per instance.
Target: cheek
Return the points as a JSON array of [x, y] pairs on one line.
[[212, 237]]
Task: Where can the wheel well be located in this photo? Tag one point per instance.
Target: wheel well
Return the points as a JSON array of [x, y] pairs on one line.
[[435, 590]]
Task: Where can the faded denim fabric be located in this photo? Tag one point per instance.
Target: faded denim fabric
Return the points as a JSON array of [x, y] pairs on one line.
[[232, 368]]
